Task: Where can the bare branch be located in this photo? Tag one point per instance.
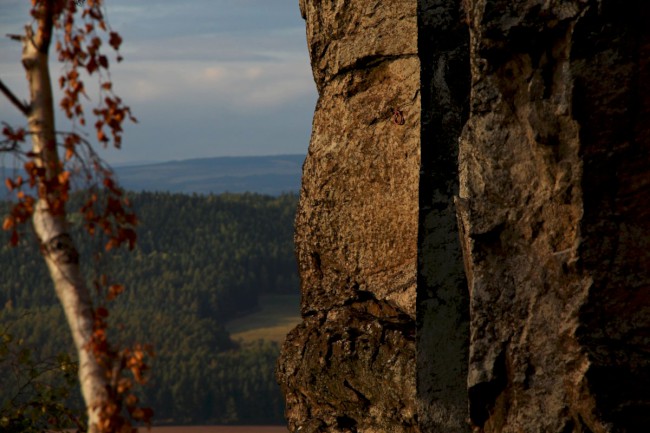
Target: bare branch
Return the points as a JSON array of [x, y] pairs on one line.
[[8, 146], [22, 106], [15, 37]]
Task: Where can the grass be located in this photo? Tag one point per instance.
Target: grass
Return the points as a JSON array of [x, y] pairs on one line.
[[278, 314]]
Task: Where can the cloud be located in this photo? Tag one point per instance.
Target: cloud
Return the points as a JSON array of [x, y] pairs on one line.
[[204, 78], [244, 86]]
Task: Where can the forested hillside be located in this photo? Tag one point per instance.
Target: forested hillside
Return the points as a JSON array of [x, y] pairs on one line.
[[199, 261]]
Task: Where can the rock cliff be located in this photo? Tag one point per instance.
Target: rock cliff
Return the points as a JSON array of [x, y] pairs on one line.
[[554, 208], [472, 234], [351, 365]]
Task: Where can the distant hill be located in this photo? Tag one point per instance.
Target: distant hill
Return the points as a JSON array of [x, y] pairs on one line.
[[261, 174]]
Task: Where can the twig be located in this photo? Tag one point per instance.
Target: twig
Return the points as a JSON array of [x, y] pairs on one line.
[[17, 102]]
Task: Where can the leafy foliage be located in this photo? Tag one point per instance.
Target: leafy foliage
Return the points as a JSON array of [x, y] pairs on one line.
[[36, 392]]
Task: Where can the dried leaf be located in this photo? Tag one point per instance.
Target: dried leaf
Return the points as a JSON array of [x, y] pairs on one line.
[[115, 40], [14, 238], [101, 312], [8, 223], [114, 291]]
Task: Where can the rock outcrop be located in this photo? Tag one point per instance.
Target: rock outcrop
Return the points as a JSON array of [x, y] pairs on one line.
[[473, 228], [554, 208], [350, 366], [383, 347]]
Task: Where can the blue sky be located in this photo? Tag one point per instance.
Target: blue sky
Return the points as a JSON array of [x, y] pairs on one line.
[[203, 77]]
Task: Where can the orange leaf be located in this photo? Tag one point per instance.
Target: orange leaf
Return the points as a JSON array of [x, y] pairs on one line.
[[114, 291], [10, 184], [131, 400], [112, 243], [8, 223], [64, 176]]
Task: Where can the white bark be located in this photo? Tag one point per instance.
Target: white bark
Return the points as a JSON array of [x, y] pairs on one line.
[[58, 249], [63, 264]]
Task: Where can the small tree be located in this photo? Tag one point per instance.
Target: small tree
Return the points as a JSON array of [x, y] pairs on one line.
[[32, 400], [54, 156]]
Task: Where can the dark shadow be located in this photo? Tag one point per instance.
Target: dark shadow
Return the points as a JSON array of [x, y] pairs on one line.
[[442, 296]]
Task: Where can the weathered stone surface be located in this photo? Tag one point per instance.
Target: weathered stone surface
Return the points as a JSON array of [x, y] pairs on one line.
[[354, 371], [553, 210], [351, 365], [555, 213]]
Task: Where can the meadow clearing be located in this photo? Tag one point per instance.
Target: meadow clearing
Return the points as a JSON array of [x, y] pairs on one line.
[[277, 315]]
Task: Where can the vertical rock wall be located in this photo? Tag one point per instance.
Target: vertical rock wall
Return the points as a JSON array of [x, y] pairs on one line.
[[350, 366], [549, 332], [554, 210]]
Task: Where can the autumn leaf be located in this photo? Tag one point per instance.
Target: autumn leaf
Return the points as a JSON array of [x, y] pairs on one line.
[[115, 40], [112, 243], [8, 223], [64, 177], [114, 291], [102, 312], [14, 238], [101, 136], [91, 66], [131, 400]]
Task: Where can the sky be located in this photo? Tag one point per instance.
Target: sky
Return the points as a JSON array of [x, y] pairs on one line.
[[204, 78]]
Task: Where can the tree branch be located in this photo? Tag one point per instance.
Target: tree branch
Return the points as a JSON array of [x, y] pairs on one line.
[[17, 102]]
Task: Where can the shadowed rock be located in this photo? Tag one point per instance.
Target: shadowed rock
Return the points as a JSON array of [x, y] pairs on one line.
[[554, 205]]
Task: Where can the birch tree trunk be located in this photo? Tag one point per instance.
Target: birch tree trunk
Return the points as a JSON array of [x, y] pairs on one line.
[[49, 218]]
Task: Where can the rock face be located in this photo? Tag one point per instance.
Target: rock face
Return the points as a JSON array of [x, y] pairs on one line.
[[351, 365], [383, 347], [473, 228], [554, 209]]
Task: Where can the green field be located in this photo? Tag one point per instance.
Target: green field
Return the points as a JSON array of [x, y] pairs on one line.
[[277, 315]]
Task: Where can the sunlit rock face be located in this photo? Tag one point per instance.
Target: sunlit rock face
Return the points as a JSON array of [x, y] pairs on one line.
[[555, 211], [383, 345], [473, 234], [351, 365]]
